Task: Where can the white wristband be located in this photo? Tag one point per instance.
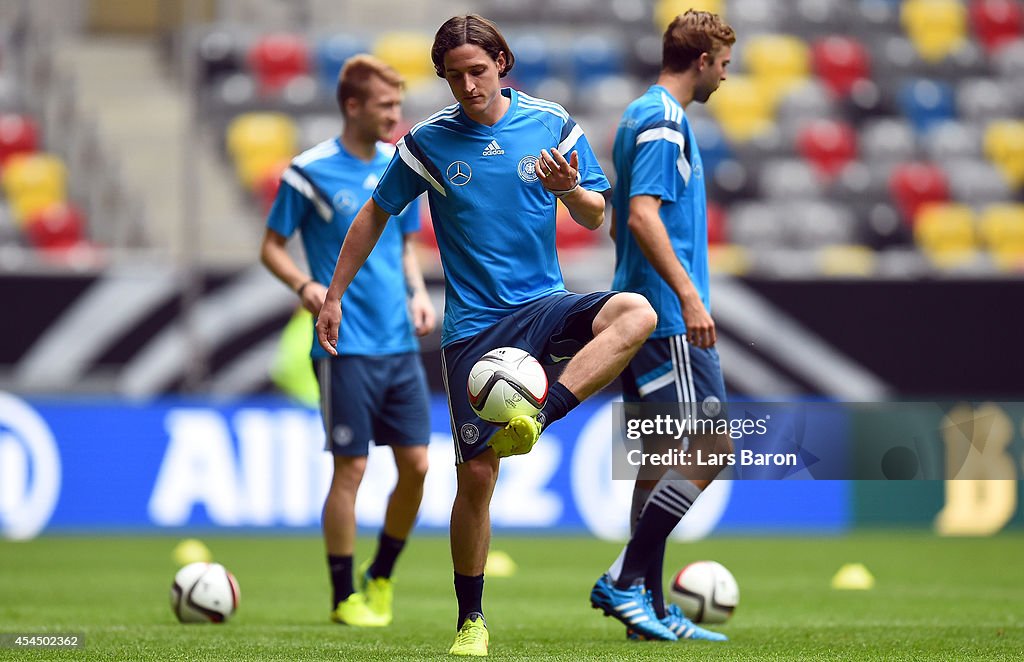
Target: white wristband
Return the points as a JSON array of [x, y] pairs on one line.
[[562, 194]]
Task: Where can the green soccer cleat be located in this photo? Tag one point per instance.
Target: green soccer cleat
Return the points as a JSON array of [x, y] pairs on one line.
[[516, 438], [354, 611], [379, 593], [472, 637]]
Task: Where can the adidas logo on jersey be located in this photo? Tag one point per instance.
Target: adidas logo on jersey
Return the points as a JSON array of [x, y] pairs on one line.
[[493, 149]]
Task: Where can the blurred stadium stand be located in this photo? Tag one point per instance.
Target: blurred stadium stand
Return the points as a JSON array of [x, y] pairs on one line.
[[854, 139]]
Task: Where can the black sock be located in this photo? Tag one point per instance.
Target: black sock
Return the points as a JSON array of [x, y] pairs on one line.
[[340, 568], [388, 549], [560, 402], [653, 580], [469, 591], [669, 501]]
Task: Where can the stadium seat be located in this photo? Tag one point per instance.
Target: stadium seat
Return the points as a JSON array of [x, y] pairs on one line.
[[840, 61], [1004, 146], [778, 62], [886, 141], [570, 235], [267, 185], [913, 185], [927, 102], [408, 53], [56, 227], [996, 22], [946, 233], [789, 179], [714, 148], [535, 61], [807, 102], [718, 232], [258, 142], [816, 223], [1002, 231], [741, 108], [828, 146], [953, 140], [976, 182], [1009, 60], [220, 53], [822, 17], [595, 57], [846, 261], [987, 99], [936, 27], [330, 54], [276, 59], [19, 134], [728, 259], [756, 225], [666, 10], [32, 182]]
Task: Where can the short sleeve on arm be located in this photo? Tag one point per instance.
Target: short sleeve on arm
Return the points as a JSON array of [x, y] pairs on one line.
[[659, 162], [408, 175], [289, 208], [592, 177]]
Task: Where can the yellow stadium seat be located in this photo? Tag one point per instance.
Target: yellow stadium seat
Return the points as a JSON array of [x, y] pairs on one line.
[[259, 141], [778, 62], [742, 108], [1004, 146], [846, 260], [945, 232], [935, 27], [1002, 231], [728, 259], [408, 53], [33, 182], [665, 11]]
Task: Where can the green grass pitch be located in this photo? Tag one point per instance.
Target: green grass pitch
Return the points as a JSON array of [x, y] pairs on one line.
[[935, 599]]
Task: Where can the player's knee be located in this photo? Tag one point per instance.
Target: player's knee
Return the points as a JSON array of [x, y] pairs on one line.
[[413, 470], [641, 316], [348, 473], [477, 475]]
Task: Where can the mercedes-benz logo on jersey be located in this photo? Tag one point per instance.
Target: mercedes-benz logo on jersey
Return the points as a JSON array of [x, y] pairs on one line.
[[528, 168], [345, 202], [30, 471], [459, 173]]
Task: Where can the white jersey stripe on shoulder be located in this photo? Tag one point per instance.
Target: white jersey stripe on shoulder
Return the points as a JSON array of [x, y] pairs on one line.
[[672, 136], [445, 113], [321, 151], [570, 140], [303, 186], [664, 103], [543, 102], [418, 168], [543, 109]]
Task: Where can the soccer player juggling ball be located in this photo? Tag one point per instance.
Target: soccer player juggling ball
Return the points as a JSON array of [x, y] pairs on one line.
[[372, 385], [661, 253], [493, 166]]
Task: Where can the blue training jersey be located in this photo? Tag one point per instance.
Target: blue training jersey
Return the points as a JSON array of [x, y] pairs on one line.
[[656, 154], [321, 191], [494, 221]]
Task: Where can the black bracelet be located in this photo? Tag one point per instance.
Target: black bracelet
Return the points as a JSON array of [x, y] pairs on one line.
[[303, 286]]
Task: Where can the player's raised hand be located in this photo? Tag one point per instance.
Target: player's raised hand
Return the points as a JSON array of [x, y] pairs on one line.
[[328, 321], [555, 173]]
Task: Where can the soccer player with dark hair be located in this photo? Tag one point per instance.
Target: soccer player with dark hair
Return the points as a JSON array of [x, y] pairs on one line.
[[373, 386], [493, 166], [661, 253]]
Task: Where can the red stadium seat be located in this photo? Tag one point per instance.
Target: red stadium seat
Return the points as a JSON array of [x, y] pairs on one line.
[[996, 22], [426, 234], [569, 234], [19, 134], [717, 224], [57, 227], [278, 58], [840, 61], [267, 185], [915, 184], [828, 146]]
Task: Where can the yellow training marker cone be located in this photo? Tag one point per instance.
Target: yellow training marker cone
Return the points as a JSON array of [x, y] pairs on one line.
[[191, 550], [499, 564], [853, 577]]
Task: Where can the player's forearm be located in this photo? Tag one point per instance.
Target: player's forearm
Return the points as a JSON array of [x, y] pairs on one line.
[[585, 207], [276, 259], [654, 242], [363, 235], [414, 282]]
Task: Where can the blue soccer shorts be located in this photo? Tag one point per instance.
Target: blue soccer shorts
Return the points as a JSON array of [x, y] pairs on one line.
[[552, 329], [378, 398], [670, 369]]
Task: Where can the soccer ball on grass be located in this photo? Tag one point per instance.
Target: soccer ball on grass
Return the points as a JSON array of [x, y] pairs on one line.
[[706, 592], [204, 593]]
